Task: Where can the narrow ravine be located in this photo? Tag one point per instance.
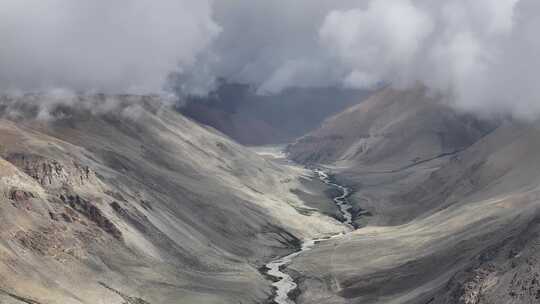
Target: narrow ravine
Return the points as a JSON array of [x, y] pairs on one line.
[[283, 282]]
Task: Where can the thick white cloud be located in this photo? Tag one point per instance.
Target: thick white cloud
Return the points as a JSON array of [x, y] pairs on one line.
[[273, 43], [376, 41], [102, 45], [482, 53]]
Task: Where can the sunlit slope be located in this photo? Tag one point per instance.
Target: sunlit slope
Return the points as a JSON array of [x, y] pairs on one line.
[[107, 198], [392, 128]]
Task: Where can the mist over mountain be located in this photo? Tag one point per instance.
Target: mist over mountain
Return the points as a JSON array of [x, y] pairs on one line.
[[391, 127], [100, 46], [480, 54]]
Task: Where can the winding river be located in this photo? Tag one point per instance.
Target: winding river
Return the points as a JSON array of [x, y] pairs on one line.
[[284, 283]]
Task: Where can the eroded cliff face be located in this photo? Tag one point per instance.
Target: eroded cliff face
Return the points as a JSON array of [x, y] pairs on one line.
[[118, 199]]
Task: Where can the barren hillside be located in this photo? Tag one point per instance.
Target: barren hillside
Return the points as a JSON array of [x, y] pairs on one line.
[[392, 127], [118, 199], [462, 228]]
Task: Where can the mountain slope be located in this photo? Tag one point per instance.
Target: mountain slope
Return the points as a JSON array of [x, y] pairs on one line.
[[253, 119], [392, 127], [463, 228], [476, 242], [118, 199]]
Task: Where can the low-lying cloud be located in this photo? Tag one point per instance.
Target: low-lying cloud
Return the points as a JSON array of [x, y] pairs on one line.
[[482, 53], [100, 45]]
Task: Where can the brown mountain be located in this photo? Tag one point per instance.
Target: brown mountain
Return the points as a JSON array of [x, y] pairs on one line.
[[461, 228], [392, 127], [118, 199]]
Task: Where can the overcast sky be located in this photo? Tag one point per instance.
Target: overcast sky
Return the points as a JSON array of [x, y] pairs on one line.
[[482, 53]]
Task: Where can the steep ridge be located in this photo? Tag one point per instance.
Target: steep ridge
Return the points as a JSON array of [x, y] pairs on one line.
[[462, 228], [118, 199], [476, 242], [387, 145], [392, 127]]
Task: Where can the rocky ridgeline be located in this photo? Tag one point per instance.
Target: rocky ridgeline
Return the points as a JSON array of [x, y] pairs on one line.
[[61, 181], [51, 173]]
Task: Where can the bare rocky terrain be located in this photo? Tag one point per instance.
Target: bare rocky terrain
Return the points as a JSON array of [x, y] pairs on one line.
[[119, 199], [391, 128], [446, 221]]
